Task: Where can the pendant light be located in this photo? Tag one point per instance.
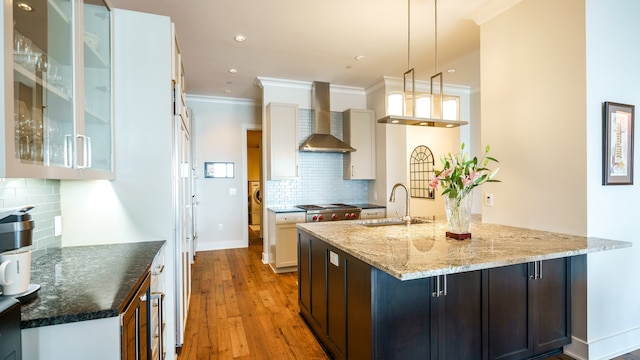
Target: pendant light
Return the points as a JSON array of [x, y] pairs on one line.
[[437, 100]]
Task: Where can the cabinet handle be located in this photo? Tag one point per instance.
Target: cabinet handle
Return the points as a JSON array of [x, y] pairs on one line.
[[540, 269], [537, 270], [159, 270], [440, 286], [68, 150], [352, 171], [86, 151]]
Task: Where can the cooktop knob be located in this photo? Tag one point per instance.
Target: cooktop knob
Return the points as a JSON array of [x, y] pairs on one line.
[[334, 216]]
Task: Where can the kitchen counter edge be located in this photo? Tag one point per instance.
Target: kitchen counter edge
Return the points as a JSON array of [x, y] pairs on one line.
[[491, 246]]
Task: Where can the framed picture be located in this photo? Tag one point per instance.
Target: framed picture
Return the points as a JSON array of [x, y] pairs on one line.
[[617, 144], [218, 169]]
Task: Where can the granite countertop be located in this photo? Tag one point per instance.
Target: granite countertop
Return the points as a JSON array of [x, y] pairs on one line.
[[422, 250], [86, 282]]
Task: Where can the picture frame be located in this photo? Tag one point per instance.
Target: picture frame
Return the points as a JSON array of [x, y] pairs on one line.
[[219, 170], [617, 143]]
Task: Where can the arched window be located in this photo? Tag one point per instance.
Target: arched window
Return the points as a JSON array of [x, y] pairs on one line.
[[421, 170]]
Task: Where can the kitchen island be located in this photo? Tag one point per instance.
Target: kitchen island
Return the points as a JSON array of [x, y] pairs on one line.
[[84, 290], [408, 292]]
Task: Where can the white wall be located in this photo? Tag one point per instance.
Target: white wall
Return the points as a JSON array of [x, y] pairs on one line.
[[612, 74], [221, 128], [546, 68]]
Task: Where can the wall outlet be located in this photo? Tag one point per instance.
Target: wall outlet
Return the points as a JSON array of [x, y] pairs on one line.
[[57, 225], [220, 227], [488, 200], [375, 196], [233, 191]]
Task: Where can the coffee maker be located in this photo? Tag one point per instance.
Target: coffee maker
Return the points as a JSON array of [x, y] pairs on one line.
[[16, 231]]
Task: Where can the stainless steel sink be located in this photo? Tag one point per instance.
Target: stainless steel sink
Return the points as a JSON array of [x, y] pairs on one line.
[[393, 221]]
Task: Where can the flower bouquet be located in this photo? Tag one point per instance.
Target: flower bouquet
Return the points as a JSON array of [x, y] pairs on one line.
[[458, 177]]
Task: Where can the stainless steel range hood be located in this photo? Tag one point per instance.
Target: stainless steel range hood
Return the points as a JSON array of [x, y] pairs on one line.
[[322, 140]]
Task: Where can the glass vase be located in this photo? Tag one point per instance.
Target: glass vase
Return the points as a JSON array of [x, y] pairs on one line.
[[458, 213]]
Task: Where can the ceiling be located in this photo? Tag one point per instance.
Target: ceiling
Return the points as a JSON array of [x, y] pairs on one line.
[[317, 41]]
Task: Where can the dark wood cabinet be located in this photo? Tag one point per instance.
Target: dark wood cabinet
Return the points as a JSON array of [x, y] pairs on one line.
[[529, 308], [360, 312], [456, 318], [135, 333]]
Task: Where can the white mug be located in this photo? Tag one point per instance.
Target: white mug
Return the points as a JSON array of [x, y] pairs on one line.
[[15, 271]]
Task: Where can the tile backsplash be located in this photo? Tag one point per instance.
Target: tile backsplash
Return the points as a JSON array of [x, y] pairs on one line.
[[320, 174], [44, 194]]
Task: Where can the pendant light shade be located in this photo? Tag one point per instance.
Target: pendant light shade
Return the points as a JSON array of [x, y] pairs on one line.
[[410, 114]]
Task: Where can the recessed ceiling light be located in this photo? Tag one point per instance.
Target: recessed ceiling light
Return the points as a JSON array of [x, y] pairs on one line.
[[239, 38], [227, 91], [233, 70], [24, 6], [348, 67], [451, 71], [359, 57]]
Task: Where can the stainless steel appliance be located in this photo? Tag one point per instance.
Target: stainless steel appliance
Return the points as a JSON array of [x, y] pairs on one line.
[[331, 212]]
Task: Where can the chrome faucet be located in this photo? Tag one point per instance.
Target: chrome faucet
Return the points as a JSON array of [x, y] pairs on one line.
[[392, 198]]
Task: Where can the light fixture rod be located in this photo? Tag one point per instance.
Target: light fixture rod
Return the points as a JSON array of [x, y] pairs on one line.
[[408, 34], [436, 34]]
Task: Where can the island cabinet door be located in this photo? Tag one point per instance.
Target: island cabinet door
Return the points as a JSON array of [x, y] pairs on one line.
[[510, 333], [319, 285], [359, 330], [456, 316], [551, 305], [529, 308], [401, 317], [304, 271]]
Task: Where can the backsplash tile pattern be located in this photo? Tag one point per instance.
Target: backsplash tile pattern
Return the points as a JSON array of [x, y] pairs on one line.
[[44, 194], [320, 174]]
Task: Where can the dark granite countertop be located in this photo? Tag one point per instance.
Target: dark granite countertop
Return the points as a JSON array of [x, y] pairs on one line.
[[86, 282]]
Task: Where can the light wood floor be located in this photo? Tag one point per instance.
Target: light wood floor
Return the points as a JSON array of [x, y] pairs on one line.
[[240, 309]]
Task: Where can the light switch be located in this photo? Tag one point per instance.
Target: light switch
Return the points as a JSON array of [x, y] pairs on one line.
[[232, 191]]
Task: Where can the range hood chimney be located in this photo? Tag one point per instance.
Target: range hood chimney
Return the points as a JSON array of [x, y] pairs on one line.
[[322, 140]]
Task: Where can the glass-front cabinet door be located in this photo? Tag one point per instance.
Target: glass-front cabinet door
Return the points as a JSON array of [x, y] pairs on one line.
[[61, 124], [43, 82], [97, 84]]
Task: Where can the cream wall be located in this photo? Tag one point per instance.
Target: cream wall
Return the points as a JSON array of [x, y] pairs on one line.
[[220, 129], [546, 68], [533, 115]]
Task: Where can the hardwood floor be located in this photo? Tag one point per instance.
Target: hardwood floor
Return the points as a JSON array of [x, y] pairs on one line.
[[240, 309]]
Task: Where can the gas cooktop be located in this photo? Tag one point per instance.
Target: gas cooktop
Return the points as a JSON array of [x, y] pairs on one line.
[[330, 212]]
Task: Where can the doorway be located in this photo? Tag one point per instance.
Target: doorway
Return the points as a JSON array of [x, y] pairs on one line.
[[254, 186]]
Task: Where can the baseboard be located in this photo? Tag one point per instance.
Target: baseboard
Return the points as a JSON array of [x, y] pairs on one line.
[[221, 245], [604, 348]]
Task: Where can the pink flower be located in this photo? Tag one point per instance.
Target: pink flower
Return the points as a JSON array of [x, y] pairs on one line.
[[434, 183], [467, 180], [445, 173]]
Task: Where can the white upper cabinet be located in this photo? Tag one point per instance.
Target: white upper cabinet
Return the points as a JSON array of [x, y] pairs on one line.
[[57, 90], [359, 131], [282, 141]]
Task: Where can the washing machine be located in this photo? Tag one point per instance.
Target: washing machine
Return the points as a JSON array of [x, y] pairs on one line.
[[255, 203]]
